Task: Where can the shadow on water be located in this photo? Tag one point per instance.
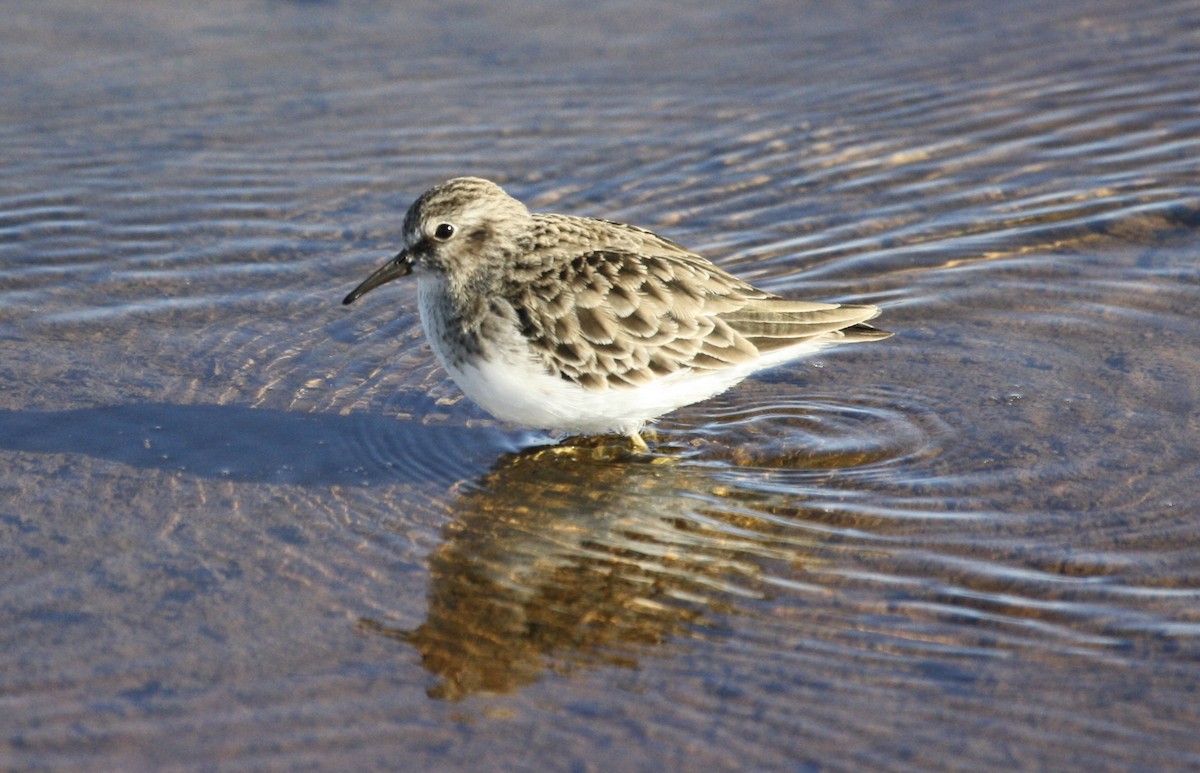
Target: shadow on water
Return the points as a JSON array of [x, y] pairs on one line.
[[581, 556], [252, 445], [972, 546]]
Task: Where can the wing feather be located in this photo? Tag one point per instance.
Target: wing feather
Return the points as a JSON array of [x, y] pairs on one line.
[[616, 318]]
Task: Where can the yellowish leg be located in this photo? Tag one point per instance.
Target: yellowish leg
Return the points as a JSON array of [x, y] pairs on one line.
[[638, 443]]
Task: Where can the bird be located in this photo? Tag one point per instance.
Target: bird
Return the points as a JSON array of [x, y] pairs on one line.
[[588, 326]]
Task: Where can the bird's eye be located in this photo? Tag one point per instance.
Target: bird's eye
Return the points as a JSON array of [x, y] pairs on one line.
[[443, 232]]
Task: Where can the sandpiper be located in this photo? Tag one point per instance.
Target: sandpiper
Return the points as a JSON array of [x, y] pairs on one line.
[[588, 326]]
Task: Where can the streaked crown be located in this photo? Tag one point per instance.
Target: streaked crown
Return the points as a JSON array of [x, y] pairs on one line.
[[463, 221]]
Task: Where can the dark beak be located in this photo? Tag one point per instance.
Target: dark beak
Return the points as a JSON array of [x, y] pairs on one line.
[[399, 266]]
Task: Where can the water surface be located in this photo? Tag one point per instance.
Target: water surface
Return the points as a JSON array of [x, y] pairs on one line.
[[244, 526]]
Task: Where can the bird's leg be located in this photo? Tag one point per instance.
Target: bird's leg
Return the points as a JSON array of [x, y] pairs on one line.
[[639, 445]]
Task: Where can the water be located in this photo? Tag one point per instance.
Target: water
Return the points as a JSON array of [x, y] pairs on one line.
[[244, 526]]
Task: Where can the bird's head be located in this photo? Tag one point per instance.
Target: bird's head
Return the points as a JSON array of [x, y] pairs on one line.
[[456, 230]]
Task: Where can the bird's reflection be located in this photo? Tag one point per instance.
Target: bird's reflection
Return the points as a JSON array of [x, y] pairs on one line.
[[582, 555]]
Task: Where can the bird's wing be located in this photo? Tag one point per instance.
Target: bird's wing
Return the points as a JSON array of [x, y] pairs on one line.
[[611, 318]]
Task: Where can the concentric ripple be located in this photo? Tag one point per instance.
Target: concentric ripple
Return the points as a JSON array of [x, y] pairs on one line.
[[240, 521], [787, 428]]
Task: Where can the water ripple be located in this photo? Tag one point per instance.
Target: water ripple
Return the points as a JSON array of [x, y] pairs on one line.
[[982, 528]]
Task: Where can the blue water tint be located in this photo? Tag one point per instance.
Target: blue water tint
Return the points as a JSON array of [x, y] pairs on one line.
[[239, 521]]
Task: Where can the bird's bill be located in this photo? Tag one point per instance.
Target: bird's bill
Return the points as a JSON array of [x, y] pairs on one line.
[[399, 266]]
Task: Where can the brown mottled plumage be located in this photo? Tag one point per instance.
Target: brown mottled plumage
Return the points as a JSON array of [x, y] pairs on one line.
[[586, 325]]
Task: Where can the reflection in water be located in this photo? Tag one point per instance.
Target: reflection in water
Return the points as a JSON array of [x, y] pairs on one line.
[[568, 556], [976, 543]]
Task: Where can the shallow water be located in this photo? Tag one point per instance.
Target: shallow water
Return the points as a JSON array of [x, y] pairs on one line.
[[244, 526]]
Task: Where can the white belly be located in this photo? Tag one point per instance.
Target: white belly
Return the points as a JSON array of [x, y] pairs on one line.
[[527, 396]]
